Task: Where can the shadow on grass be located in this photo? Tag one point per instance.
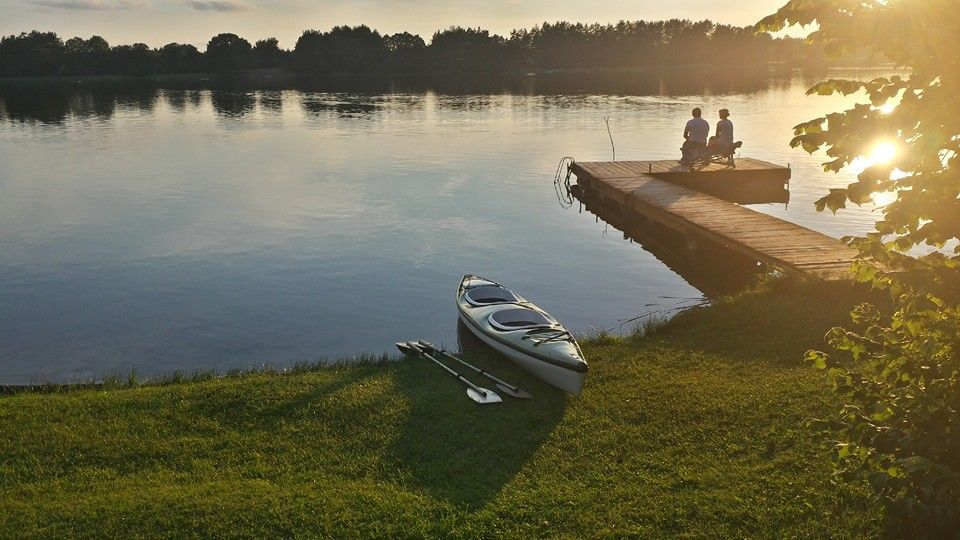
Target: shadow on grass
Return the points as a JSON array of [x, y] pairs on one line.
[[464, 452], [776, 322]]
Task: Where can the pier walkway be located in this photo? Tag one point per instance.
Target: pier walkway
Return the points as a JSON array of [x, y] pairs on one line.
[[690, 202]]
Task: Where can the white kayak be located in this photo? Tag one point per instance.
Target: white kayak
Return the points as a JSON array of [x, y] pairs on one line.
[[522, 332]]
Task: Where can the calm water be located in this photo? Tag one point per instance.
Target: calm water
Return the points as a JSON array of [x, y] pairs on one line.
[[162, 230]]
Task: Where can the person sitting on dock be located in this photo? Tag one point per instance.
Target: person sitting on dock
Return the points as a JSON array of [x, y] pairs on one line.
[[724, 128], [720, 148], [695, 137]]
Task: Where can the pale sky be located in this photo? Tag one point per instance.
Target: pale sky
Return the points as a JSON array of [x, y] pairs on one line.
[[157, 22]]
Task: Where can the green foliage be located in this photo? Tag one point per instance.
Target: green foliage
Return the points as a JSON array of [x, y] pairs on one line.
[[899, 375], [900, 427], [228, 51]]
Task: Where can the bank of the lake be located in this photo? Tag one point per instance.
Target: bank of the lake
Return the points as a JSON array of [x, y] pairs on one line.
[[694, 429]]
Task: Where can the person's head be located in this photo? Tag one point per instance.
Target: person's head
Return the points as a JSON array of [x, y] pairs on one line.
[[697, 112], [724, 114]]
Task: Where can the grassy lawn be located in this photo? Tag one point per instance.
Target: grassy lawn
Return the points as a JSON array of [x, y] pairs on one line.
[[694, 430]]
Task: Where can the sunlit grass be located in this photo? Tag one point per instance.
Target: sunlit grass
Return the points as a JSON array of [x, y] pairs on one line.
[[695, 429]]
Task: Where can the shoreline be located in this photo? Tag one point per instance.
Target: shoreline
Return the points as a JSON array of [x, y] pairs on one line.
[[286, 79], [694, 427]]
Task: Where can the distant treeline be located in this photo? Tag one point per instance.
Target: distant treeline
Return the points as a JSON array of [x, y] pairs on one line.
[[360, 49]]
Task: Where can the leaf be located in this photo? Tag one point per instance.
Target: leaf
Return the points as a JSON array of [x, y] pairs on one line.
[[817, 358]]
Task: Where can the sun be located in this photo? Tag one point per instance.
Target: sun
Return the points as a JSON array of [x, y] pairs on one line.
[[883, 198], [882, 153]]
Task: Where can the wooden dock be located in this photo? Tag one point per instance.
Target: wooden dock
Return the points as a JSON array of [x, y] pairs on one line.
[[752, 181], [681, 199]]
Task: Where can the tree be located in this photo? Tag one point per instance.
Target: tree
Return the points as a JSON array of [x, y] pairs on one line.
[[31, 55], [466, 49], [355, 49], [137, 60], [227, 52], [309, 55], [86, 56], [404, 52], [344, 48], [179, 58], [267, 53], [900, 374]]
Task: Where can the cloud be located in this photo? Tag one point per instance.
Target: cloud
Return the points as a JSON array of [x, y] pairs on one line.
[[217, 5], [84, 4]]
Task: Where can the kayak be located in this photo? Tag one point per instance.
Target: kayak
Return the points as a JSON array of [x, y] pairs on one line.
[[521, 331]]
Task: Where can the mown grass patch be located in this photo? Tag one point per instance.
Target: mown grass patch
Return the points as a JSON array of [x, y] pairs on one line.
[[694, 429]]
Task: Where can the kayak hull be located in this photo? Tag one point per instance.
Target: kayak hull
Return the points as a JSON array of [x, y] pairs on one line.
[[557, 362]]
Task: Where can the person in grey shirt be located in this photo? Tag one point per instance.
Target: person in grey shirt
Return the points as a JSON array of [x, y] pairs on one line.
[[695, 136], [724, 128]]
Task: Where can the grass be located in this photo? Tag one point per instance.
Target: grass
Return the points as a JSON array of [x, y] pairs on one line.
[[694, 429]]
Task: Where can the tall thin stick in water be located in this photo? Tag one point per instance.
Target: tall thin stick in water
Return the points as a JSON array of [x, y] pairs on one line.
[[606, 120]]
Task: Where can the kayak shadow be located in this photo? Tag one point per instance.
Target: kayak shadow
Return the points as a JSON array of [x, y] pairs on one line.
[[461, 451]]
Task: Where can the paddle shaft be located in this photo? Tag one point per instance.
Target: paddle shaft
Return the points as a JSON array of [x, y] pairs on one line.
[[480, 371], [456, 375]]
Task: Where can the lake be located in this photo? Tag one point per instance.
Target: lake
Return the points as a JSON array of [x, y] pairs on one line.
[[157, 230]]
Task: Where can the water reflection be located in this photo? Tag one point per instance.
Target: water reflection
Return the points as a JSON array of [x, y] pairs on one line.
[[54, 104], [711, 268], [357, 96], [344, 105], [271, 100], [209, 228], [232, 104]]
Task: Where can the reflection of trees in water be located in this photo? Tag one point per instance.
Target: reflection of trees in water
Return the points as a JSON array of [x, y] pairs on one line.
[[53, 104], [144, 100], [646, 82], [636, 81], [232, 103], [91, 103], [270, 101], [467, 103], [49, 106], [365, 95], [175, 99], [342, 104], [195, 98]]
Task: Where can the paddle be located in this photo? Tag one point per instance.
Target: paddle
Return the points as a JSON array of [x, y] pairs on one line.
[[474, 392], [505, 387]]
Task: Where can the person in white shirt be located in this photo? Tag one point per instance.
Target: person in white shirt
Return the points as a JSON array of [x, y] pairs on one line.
[[695, 136], [724, 128]]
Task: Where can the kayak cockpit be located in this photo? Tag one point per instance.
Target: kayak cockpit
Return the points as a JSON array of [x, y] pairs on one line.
[[509, 320], [487, 295]]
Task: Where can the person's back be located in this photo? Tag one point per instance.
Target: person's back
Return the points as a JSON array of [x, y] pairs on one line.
[[697, 130], [695, 135], [725, 128]]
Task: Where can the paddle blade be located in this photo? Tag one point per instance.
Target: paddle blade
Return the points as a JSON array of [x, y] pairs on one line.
[[406, 349], [486, 398], [427, 345], [515, 392]]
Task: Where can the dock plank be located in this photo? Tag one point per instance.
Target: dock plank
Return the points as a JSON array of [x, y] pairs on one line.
[[660, 190]]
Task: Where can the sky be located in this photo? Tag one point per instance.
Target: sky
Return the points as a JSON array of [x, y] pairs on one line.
[[157, 22]]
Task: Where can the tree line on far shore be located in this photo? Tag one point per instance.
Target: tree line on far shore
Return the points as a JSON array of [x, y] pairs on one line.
[[360, 49]]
